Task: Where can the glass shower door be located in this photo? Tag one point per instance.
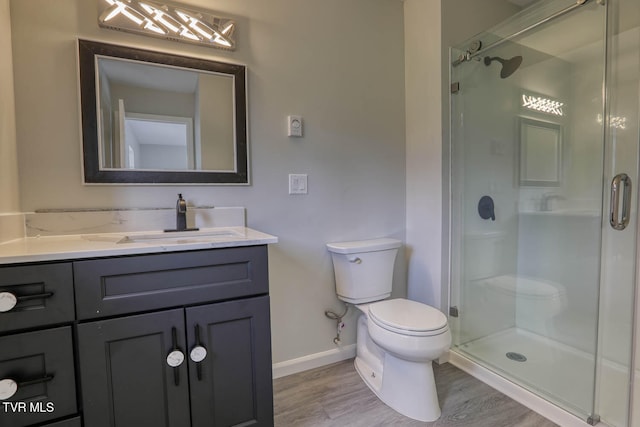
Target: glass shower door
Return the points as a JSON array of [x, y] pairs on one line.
[[532, 160]]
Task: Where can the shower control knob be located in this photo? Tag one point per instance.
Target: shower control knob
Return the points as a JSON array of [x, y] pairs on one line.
[[486, 208]]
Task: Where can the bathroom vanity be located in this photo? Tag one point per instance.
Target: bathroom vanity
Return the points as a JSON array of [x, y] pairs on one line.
[[139, 334]]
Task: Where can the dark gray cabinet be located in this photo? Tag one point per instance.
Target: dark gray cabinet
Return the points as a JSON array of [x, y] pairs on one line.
[[117, 319], [70, 422], [128, 382], [37, 366]]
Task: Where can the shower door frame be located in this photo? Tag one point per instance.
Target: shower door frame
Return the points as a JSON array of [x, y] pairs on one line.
[[607, 148]]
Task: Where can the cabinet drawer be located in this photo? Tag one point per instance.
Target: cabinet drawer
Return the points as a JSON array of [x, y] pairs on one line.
[[106, 287], [44, 360], [44, 293]]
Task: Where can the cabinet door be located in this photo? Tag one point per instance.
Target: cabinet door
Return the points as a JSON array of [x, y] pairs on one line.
[[125, 378], [41, 363], [233, 384]]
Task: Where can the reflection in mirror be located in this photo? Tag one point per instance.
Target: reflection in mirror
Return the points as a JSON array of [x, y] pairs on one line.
[[156, 117], [155, 112], [540, 153], [155, 142]]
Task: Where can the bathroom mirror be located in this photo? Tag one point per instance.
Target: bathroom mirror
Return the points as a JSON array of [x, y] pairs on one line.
[[540, 153], [152, 117]]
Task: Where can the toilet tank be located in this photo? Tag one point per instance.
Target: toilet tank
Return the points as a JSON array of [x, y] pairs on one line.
[[364, 269]]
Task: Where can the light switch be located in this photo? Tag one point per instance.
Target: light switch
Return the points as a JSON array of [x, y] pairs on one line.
[[297, 183], [294, 126]]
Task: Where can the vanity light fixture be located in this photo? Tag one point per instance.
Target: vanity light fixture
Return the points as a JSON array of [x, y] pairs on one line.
[[167, 20], [542, 104], [619, 122], [616, 122]]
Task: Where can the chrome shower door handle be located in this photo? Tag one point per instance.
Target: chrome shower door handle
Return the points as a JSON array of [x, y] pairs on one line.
[[617, 183]]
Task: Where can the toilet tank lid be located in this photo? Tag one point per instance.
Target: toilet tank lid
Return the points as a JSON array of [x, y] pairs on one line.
[[358, 246]]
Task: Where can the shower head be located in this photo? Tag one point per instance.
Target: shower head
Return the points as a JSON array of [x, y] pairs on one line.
[[509, 66]]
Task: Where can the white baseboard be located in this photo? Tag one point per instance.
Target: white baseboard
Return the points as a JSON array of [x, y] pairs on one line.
[[517, 393], [304, 363]]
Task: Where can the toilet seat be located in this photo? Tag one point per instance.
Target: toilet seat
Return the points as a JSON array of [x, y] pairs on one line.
[[408, 317]]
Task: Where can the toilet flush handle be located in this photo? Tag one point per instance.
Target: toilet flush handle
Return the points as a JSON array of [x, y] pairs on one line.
[[356, 260]]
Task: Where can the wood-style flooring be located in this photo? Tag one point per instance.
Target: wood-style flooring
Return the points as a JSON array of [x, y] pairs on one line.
[[335, 396]]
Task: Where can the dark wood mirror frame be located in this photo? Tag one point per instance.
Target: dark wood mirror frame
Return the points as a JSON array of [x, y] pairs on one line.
[[93, 174]]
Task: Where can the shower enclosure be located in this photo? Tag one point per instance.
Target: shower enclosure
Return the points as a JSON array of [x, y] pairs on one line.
[[544, 153]]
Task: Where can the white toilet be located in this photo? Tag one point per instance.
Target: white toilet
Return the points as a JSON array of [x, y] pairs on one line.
[[396, 339]]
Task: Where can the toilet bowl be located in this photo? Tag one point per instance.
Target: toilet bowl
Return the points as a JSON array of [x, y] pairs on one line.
[[396, 343], [408, 329], [397, 339]]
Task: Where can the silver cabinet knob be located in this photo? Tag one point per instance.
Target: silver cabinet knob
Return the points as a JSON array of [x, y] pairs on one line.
[[8, 388], [198, 353], [7, 301], [175, 358]]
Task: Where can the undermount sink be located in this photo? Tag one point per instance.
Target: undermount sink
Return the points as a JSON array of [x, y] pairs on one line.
[[173, 237]]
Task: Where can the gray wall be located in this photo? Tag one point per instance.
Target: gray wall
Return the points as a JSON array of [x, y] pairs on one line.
[[214, 130], [338, 64], [8, 158], [430, 28]]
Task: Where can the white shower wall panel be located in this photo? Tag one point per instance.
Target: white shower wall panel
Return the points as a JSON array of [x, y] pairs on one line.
[[560, 249]]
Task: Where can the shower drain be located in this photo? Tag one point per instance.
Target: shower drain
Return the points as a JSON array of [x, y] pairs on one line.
[[516, 356]]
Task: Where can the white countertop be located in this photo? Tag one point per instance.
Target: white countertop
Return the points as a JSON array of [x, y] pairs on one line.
[[64, 247]]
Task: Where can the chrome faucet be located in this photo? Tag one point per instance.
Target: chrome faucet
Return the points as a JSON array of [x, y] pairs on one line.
[[181, 213], [545, 206], [181, 216]]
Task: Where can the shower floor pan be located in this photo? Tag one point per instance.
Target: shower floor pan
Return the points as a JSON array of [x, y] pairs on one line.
[[554, 371]]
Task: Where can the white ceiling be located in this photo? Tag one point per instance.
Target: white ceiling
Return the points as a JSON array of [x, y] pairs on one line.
[[565, 36]]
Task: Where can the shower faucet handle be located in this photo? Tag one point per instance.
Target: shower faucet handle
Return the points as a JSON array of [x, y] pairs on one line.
[[486, 208]]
